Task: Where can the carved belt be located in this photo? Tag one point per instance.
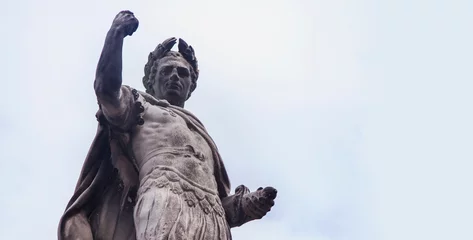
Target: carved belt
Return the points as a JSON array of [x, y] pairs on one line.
[[186, 151], [192, 193]]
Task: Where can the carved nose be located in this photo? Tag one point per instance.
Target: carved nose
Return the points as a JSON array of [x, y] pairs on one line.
[[174, 75]]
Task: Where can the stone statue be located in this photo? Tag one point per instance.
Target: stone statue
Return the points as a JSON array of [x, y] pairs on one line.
[[152, 171]]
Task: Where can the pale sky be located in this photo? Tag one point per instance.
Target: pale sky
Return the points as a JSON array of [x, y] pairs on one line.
[[358, 112]]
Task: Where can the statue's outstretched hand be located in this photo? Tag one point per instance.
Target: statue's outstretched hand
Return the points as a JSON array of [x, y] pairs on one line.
[[257, 204], [125, 23]]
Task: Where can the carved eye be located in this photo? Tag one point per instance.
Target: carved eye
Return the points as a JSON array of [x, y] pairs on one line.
[[183, 72], [166, 70]]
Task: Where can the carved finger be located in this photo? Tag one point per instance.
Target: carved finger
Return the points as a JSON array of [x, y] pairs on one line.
[[265, 204], [260, 206], [122, 15], [126, 12], [253, 212], [250, 208], [263, 201], [134, 26]]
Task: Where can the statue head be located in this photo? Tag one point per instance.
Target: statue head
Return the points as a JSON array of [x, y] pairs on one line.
[[171, 75]]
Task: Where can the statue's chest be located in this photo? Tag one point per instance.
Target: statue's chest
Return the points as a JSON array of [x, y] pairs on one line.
[[163, 128], [161, 115]]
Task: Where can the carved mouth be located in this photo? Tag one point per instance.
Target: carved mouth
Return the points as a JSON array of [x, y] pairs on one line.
[[173, 86]]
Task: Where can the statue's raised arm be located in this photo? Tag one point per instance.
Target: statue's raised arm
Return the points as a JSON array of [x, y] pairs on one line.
[[108, 76], [153, 171]]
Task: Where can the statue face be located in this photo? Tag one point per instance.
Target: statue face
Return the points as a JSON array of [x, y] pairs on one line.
[[173, 80]]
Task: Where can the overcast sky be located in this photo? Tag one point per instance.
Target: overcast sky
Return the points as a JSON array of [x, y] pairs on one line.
[[358, 112]]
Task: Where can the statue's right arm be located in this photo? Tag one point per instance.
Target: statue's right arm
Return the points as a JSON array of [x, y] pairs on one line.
[[108, 77]]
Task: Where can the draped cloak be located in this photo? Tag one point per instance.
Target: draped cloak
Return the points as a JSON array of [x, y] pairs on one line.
[[103, 201]]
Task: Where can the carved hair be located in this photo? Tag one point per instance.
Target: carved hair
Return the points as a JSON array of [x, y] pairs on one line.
[[164, 50]]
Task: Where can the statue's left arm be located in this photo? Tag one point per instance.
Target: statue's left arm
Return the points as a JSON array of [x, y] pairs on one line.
[[245, 206]]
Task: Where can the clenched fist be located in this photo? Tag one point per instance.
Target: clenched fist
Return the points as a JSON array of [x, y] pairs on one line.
[[125, 23]]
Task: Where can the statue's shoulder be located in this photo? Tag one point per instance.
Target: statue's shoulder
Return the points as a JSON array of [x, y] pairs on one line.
[[142, 97], [145, 97]]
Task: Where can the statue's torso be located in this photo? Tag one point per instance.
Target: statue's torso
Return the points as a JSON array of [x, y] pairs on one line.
[[166, 140], [177, 197]]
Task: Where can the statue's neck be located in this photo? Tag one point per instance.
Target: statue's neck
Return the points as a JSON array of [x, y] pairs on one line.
[[178, 104]]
